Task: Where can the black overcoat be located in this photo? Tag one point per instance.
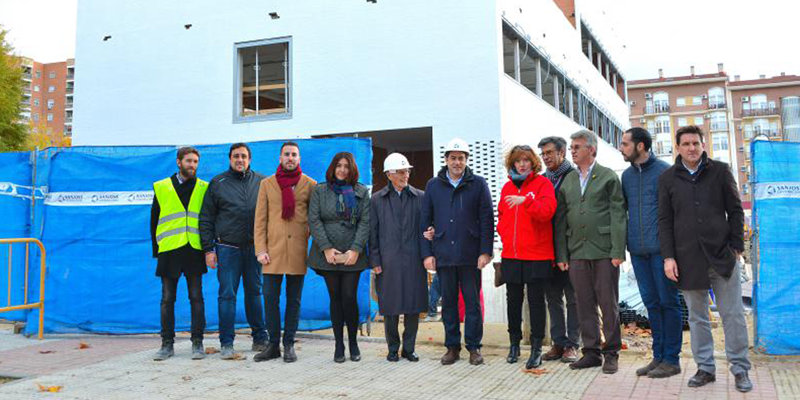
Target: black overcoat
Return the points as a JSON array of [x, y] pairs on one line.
[[700, 221], [394, 246]]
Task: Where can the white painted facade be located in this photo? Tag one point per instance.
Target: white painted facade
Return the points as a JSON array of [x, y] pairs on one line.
[[355, 67]]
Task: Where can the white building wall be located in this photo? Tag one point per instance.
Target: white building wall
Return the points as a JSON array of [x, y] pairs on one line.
[[356, 66]]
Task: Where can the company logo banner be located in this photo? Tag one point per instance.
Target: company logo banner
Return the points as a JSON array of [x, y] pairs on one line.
[[133, 198], [776, 190]]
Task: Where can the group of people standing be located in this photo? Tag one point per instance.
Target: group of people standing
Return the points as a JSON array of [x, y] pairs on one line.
[[564, 230]]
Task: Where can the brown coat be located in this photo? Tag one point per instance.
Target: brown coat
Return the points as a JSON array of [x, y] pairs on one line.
[[286, 242]]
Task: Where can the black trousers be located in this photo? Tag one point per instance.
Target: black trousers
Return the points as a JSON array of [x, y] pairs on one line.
[[342, 289], [410, 325], [536, 308], [169, 288], [272, 300]]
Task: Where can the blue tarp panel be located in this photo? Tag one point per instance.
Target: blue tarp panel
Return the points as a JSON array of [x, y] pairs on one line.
[[776, 194], [95, 226], [15, 206]]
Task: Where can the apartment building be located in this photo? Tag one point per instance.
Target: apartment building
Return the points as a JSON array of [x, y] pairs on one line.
[[48, 94], [664, 104], [763, 109]]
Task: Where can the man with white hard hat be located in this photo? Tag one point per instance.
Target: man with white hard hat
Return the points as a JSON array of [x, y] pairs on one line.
[[402, 282], [458, 205]]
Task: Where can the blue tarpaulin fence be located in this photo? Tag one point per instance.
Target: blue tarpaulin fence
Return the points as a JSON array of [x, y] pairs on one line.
[[776, 241], [91, 209]]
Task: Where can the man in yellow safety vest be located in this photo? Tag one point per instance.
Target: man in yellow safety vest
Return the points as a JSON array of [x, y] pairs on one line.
[[175, 235]]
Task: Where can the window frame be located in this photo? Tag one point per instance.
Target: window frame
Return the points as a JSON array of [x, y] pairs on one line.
[[237, 80]]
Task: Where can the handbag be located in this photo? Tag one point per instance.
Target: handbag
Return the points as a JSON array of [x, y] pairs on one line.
[[498, 275]]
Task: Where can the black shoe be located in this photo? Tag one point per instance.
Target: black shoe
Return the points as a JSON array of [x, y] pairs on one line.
[[167, 350], [338, 353], [198, 352], [664, 370], [743, 383], [513, 354], [392, 357], [289, 355], [272, 352], [701, 378], [355, 353], [413, 357], [258, 347], [535, 359], [647, 368]]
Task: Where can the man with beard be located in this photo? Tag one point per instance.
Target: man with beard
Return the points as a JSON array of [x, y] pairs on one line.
[[564, 326], [281, 246], [174, 221], [590, 244], [660, 296], [226, 232]]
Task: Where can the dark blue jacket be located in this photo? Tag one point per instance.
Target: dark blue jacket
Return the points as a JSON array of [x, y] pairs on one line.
[[640, 188], [463, 218]]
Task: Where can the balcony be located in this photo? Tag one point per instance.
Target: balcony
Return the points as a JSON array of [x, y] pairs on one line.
[[719, 126], [68, 104], [26, 75], [26, 91], [68, 120], [70, 90], [716, 105], [657, 109], [760, 112]]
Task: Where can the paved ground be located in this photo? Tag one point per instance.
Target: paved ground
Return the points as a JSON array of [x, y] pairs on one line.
[[120, 367]]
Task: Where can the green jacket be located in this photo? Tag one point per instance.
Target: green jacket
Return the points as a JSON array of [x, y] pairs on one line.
[[330, 230], [591, 226]]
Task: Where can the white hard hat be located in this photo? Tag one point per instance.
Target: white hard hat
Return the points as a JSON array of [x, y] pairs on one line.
[[457, 145], [396, 161]]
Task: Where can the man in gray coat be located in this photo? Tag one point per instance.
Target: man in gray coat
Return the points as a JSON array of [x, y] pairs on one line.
[[395, 256]]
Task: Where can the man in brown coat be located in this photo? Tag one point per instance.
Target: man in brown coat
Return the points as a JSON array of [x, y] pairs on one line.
[[281, 243]]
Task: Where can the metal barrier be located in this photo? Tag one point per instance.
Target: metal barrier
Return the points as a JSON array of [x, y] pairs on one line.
[[25, 305]]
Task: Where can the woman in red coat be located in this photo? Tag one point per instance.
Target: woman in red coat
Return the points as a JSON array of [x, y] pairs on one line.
[[527, 205]]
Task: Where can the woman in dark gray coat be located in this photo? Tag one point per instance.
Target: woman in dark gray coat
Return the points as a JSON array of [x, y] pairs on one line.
[[338, 215], [394, 254]]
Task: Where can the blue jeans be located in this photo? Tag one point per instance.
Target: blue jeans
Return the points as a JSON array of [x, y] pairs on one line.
[[660, 297], [434, 296], [235, 264], [468, 278]]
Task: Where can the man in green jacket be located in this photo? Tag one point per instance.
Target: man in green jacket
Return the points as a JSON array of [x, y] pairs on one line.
[[590, 244]]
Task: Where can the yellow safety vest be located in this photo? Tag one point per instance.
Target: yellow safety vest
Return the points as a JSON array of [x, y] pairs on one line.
[[176, 226]]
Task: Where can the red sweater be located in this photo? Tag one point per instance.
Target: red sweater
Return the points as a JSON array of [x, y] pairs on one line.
[[527, 230]]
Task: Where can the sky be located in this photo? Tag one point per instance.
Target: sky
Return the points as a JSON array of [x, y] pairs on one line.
[[749, 38]]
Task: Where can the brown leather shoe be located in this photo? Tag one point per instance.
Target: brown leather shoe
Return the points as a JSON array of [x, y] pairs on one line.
[[452, 355], [475, 357], [570, 355], [610, 363], [587, 361], [554, 353]]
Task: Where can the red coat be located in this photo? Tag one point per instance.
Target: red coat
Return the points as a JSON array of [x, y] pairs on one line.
[[527, 229]]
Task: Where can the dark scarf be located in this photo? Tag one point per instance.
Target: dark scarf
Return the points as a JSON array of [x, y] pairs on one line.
[[287, 180], [555, 176], [518, 178], [345, 201]]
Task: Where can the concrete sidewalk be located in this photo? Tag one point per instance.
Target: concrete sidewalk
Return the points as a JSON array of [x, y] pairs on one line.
[[121, 367]]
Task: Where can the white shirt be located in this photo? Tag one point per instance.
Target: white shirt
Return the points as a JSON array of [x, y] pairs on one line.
[[585, 178]]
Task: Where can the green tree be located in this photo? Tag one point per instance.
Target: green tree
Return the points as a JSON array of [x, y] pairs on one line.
[[13, 131]]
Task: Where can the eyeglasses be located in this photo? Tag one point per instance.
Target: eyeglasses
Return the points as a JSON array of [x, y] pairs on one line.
[[548, 153]]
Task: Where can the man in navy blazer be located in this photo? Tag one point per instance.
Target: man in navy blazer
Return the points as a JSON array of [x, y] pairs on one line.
[[458, 205]]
